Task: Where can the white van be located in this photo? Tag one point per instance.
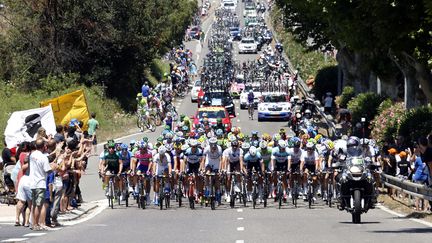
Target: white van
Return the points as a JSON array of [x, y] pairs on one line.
[[229, 5]]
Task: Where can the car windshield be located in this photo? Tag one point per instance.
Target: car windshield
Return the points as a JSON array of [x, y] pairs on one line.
[[212, 114], [246, 41], [274, 98], [229, 4], [234, 28]]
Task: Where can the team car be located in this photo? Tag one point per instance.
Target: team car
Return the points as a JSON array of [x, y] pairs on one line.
[[213, 113], [195, 90], [237, 86], [248, 45], [274, 106], [219, 98]]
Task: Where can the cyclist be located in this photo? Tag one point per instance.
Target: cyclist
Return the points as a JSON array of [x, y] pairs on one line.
[[213, 160], [161, 166], [265, 154], [283, 134], [294, 161], [279, 161], [233, 160], [309, 164], [169, 121], [141, 162], [222, 142], [219, 125], [252, 161], [250, 100], [112, 166], [255, 139], [145, 90], [126, 156], [193, 158]]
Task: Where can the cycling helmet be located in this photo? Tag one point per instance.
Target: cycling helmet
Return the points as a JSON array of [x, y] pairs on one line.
[[353, 141], [219, 120], [263, 144], [234, 143], [193, 143], [235, 130], [200, 130], [139, 95], [282, 130], [329, 144], [255, 143], [185, 128], [168, 114], [307, 111], [254, 133], [232, 138], [246, 146], [276, 137], [282, 144], [184, 147], [296, 144], [124, 146], [252, 150], [219, 132], [169, 146], [213, 141], [169, 135], [309, 145], [209, 134], [111, 143], [143, 145], [132, 142], [162, 150], [192, 134], [318, 138]]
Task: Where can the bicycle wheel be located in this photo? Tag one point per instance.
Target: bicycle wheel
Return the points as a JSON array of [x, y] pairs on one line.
[[192, 203], [310, 195], [111, 195], [280, 196], [212, 203], [167, 201], [330, 194], [161, 201]]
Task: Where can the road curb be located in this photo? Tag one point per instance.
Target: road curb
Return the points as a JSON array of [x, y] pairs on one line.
[[387, 210], [78, 215]]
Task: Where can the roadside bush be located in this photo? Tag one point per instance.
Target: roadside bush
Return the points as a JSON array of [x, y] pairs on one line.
[[416, 122], [365, 105], [386, 123], [326, 81], [347, 94]]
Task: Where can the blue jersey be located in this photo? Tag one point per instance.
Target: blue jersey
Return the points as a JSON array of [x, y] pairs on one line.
[[145, 90], [125, 158], [279, 156], [193, 158], [250, 98], [252, 159]]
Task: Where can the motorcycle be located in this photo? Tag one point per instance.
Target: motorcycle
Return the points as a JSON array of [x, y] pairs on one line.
[[356, 187]]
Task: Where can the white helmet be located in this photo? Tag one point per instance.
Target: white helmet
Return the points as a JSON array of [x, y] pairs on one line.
[[162, 150], [309, 145], [263, 144], [307, 111], [252, 151], [193, 143], [282, 143]]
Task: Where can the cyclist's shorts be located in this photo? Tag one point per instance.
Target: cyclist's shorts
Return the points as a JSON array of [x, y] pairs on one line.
[[310, 168], [142, 168], [113, 170], [295, 167], [193, 168], [125, 168], [234, 166], [255, 165], [281, 166], [161, 170]]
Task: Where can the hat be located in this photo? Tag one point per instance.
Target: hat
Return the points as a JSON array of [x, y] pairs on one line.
[[402, 154], [392, 151]]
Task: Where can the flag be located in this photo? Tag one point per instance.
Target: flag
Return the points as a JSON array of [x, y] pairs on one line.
[[23, 125], [69, 106]]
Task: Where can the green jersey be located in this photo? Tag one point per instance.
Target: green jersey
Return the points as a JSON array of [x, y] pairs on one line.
[[266, 156], [93, 124], [112, 161]]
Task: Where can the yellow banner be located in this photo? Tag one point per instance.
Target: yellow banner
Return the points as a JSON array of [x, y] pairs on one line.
[[68, 107]]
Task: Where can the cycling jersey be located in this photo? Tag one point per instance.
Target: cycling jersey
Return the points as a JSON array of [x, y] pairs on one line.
[[253, 161], [233, 156], [266, 156], [161, 163], [280, 156], [212, 158], [309, 158], [112, 162], [193, 157], [126, 158], [295, 157], [143, 160]]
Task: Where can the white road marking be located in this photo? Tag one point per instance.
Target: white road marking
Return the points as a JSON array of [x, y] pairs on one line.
[[240, 228], [34, 234], [403, 216], [239, 241], [14, 240], [102, 204], [55, 229], [240, 218], [239, 210]]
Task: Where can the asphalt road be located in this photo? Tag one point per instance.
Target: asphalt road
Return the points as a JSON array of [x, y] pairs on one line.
[[289, 224]]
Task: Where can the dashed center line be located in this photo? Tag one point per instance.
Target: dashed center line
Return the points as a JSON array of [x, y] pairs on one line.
[[15, 240], [239, 241], [240, 228], [34, 234], [240, 210], [240, 218]]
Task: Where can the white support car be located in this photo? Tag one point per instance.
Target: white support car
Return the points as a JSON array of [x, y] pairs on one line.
[[244, 95], [248, 45], [195, 90], [274, 106]]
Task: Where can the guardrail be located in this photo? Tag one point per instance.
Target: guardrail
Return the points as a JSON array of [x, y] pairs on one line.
[[406, 186]]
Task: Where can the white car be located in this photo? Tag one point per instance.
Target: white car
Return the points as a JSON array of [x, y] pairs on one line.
[[195, 90], [244, 95], [274, 106], [248, 45], [250, 11], [229, 5]]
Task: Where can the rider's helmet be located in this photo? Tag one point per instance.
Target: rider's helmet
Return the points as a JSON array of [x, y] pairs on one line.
[[200, 131], [139, 95], [253, 151], [282, 144], [123, 146], [219, 120], [111, 143], [213, 141], [168, 114], [193, 143], [162, 150], [282, 131], [132, 142], [219, 132], [182, 117], [245, 146], [169, 136], [169, 146], [353, 141], [309, 146], [235, 130], [276, 137], [143, 145], [308, 113], [234, 143], [263, 144]]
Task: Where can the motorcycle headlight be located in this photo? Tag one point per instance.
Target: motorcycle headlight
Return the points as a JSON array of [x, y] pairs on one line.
[[356, 170]]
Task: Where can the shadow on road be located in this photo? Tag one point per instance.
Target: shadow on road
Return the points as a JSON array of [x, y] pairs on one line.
[[409, 230], [370, 222]]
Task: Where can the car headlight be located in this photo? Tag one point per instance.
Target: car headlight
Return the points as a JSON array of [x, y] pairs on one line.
[[261, 109], [230, 105], [286, 108]]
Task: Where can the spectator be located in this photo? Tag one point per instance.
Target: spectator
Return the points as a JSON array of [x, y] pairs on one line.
[[328, 103], [49, 198], [93, 125], [40, 167], [389, 167], [420, 175], [425, 152], [8, 159], [59, 136], [23, 187]]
